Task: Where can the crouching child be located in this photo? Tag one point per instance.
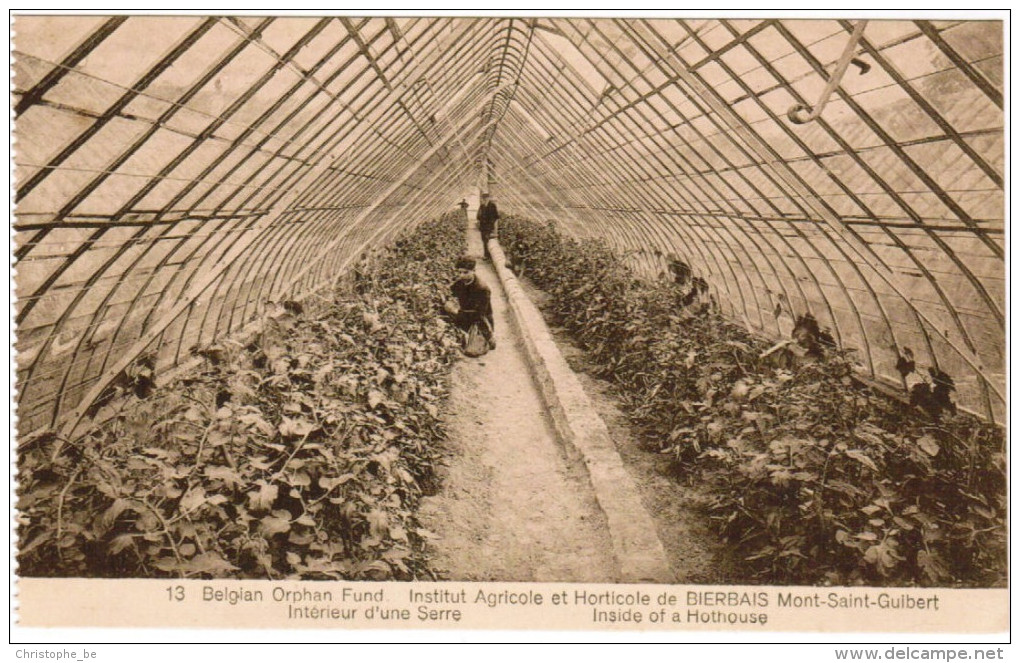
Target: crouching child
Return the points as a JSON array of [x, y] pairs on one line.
[[470, 309]]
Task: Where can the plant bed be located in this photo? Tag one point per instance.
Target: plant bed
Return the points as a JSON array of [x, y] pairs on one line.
[[302, 454], [677, 505], [814, 478]]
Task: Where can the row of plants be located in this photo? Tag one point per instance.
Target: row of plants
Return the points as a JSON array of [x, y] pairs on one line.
[[814, 478], [301, 454]]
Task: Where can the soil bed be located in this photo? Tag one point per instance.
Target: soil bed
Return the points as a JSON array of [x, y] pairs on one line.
[[694, 551]]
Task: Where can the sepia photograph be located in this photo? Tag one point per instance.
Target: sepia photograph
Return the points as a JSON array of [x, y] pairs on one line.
[[408, 321]]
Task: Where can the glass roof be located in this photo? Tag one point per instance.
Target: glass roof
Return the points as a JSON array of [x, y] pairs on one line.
[[175, 174]]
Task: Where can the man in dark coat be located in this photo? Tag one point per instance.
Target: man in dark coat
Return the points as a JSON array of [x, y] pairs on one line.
[[474, 301], [488, 215]]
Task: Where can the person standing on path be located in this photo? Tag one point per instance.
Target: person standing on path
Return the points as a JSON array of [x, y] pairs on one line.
[[488, 216], [474, 301]]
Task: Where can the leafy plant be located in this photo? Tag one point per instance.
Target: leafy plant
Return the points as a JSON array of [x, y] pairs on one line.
[[814, 477], [300, 455]]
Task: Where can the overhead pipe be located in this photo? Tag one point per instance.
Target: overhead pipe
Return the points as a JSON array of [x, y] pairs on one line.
[[796, 112]]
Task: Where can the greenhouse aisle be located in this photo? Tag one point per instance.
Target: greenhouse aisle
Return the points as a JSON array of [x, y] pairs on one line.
[[511, 508]]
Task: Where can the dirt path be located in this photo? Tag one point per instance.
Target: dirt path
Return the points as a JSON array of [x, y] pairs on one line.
[[512, 508], [694, 551]]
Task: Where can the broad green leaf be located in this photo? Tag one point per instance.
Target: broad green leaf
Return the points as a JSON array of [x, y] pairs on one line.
[[296, 427], [210, 563], [862, 459], [194, 499], [928, 445], [223, 473], [119, 543], [119, 506], [263, 498], [272, 525]]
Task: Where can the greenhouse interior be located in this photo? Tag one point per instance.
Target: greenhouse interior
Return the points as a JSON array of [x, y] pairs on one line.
[[746, 284]]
